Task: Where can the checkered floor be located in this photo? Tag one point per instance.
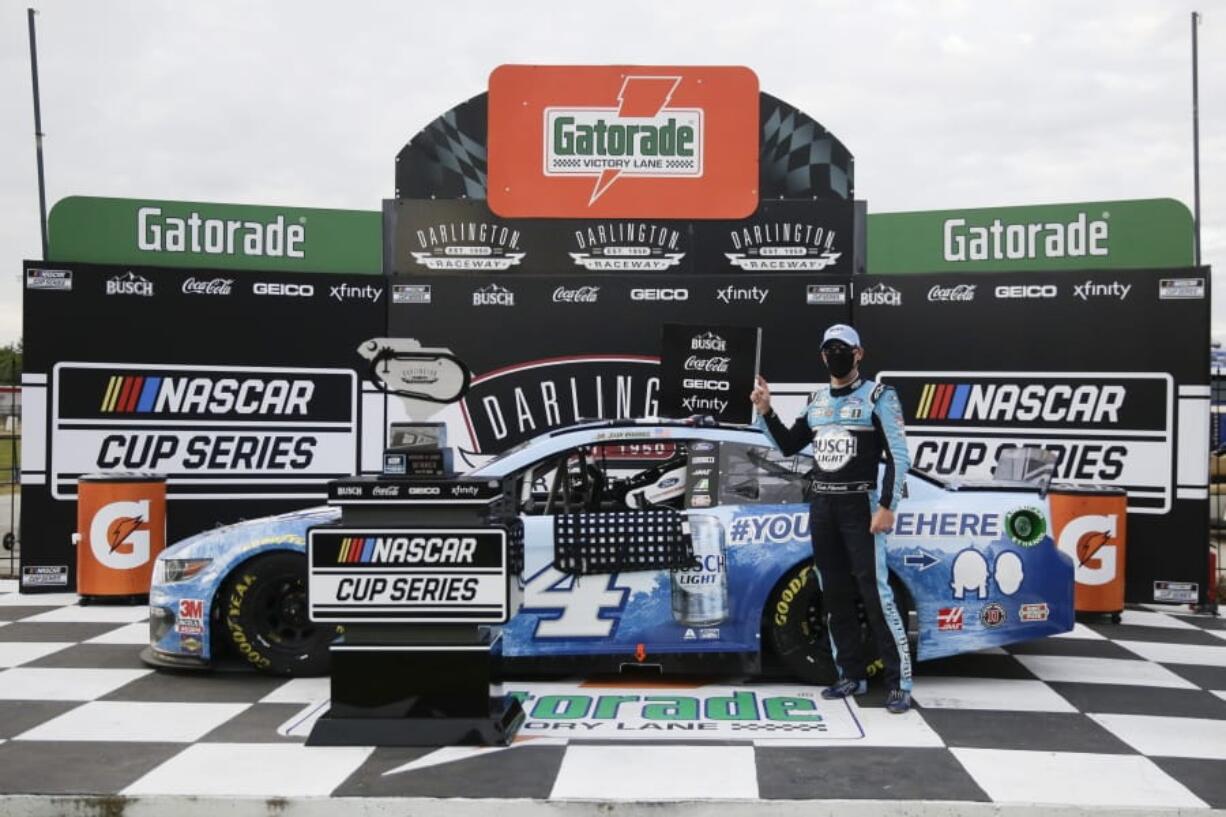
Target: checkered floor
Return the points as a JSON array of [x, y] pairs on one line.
[[1131, 715]]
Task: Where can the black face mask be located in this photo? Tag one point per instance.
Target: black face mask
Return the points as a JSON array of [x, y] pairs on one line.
[[840, 360]]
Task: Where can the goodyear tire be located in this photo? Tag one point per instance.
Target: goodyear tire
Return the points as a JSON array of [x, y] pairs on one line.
[[264, 614]]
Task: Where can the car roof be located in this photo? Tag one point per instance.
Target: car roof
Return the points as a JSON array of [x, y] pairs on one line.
[[618, 431]]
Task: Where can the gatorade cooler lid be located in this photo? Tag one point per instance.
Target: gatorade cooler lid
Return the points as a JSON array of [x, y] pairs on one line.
[[123, 476]]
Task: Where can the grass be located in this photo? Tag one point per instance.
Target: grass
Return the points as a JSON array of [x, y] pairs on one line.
[[10, 456]]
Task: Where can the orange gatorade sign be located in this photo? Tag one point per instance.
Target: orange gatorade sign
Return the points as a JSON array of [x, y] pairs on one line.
[[586, 141], [121, 520], [1090, 528]]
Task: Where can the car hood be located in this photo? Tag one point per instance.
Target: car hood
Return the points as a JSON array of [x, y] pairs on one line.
[[287, 527]]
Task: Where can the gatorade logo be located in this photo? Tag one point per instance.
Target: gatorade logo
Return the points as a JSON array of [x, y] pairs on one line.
[[1091, 541], [119, 535]]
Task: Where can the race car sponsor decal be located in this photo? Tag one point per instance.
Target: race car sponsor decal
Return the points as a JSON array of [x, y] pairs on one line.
[[404, 575], [1026, 526], [950, 618], [190, 617], [833, 447], [1033, 612], [993, 615], [1106, 428], [216, 432]]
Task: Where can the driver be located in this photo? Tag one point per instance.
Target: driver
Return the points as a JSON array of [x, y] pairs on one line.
[[850, 424]]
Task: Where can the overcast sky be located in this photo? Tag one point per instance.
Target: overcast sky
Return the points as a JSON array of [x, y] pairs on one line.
[[944, 104]]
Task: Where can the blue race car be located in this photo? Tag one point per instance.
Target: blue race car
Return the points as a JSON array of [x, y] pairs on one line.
[[973, 565]]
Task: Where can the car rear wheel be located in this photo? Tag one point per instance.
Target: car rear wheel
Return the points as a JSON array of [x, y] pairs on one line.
[[264, 613]]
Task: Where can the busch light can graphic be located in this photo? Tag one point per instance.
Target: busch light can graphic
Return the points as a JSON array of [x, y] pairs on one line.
[[700, 593]]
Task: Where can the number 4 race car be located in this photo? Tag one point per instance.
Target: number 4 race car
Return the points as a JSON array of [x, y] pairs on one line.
[[973, 565]]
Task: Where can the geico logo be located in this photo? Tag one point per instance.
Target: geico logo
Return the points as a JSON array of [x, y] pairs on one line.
[[119, 534], [291, 290], [659, 294], [1027, 291], [947, 524], [427, 491], [427, 549], [206, 395], [215, 236], [708, 385], [1010, 402]]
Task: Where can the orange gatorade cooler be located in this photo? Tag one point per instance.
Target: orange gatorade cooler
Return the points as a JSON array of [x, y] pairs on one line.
[[1089, 525], [121, 528]]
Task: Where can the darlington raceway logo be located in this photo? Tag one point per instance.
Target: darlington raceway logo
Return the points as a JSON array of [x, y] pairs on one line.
[[467, 245], [783, 246], [1107, 428], [641, 137], [627, 246], [208, 428]]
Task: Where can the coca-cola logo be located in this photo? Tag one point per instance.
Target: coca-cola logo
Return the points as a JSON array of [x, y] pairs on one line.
[[961, 292], [217, 286], [693, 363], [580, 295]]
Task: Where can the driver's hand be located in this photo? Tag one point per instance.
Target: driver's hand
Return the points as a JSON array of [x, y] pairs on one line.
[[761, 396], [883, 521]]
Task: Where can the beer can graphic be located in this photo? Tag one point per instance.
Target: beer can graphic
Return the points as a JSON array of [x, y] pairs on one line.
[[700, 593]]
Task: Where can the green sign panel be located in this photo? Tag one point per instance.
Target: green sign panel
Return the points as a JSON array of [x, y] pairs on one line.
[[220, 236], [1141, 233]]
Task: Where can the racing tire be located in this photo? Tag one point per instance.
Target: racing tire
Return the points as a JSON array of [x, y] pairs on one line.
[[264, 614]]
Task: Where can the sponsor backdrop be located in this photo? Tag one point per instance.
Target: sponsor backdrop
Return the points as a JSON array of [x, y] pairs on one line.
[[237, 388], [986, 362]]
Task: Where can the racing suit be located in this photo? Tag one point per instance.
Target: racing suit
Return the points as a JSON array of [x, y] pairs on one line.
[[850, 427]]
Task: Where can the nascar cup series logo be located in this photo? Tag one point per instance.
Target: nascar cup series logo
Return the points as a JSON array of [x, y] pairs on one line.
[[833, 447], [208, 428], [642, 136]]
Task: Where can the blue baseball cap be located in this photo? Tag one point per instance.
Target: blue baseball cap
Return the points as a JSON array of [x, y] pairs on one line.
[[841, 332]]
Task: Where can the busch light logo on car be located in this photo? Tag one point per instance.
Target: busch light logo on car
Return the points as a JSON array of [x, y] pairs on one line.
[[700, 593]]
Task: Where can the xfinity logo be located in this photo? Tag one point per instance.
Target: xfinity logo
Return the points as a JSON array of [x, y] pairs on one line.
[[217, 286], [1024, 291], [284, 290], [881, 295], [493, 295], [1090, 290], [130, 284], [579, 295], [733, 293], [349, 292], [659, 294], [961, 292]]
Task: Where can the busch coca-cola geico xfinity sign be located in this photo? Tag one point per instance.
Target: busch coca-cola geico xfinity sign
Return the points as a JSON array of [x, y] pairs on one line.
[[623, 141]]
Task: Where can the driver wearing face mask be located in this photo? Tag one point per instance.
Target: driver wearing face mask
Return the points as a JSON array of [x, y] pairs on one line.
[[850, 425]]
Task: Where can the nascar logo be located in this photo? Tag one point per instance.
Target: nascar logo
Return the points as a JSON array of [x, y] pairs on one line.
[[1007, 402], [138, 394], [406, 549]]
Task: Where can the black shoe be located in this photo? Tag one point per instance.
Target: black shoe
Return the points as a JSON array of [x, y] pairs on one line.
[[845, 688], [898, 702]]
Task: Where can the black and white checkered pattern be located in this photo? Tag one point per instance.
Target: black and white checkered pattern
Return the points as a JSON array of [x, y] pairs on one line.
[[1109, 715], [591, 543]]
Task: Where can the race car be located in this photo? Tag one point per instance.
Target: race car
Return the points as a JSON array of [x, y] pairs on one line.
[[973, 565]]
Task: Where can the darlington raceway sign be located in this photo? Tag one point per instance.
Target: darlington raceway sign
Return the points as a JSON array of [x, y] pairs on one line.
[[623, 141]]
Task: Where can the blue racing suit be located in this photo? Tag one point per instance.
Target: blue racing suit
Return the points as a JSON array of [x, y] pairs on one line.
[[850, 428]]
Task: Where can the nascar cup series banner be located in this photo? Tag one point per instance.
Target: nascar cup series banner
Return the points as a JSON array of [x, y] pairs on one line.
[[246, 391], [1108, 370]]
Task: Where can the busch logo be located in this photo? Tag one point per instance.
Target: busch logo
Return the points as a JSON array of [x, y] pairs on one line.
[[881, 295], [707, 364], [641, 137], [833, 447], [130, 284], [217, 286], [580, 295], [961, 292], [493, 295], [708, 342]]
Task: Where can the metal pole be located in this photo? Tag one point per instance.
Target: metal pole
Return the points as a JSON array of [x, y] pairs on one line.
[[1195, 140], [38, 133]]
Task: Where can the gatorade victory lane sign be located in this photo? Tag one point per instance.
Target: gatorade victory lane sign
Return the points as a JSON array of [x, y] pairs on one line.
[[623, 142]]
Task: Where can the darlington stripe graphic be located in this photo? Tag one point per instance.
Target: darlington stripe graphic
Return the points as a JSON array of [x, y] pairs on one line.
[[943, 401], [355, 550]]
